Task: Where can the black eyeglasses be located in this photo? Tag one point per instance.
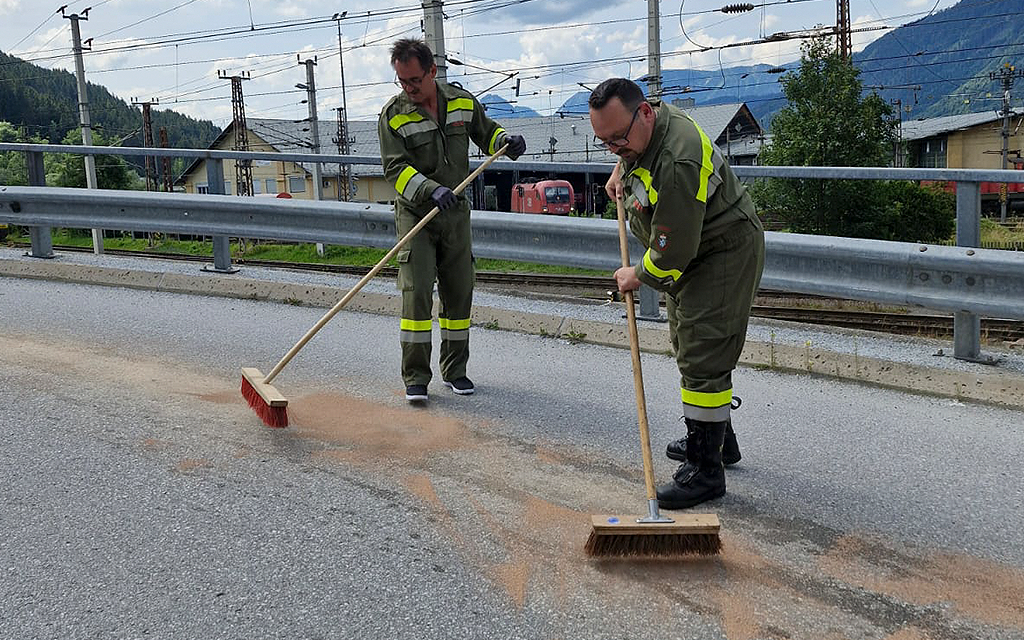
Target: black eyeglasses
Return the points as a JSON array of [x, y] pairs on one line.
[[411, 82], [619, 142]]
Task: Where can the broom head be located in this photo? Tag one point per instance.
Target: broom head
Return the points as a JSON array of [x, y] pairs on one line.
[[624, 537], [264, 399]]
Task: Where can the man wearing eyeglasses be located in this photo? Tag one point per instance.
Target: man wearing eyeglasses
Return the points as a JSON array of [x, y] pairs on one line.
[[705, 250], [424, 136]]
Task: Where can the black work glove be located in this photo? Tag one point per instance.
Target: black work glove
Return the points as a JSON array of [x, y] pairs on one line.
[[443, 198], [516, 146]]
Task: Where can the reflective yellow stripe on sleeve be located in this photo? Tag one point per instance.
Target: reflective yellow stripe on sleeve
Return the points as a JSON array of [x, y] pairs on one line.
[[460, 103], [645, 177], [707, 400], [415, 325], [706, 166], [653, 269], [404, 178], [494, 138]]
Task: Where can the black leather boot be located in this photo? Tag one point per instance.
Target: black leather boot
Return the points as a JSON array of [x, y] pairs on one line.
[[676, 450], [702, 476]]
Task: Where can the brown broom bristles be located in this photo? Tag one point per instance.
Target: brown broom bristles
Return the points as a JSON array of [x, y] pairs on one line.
[[276, 417], [652, 545]]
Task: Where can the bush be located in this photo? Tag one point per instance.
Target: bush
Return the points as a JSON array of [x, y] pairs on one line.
[[915, 213]]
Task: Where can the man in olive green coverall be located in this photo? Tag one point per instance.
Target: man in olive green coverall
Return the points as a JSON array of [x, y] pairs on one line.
[[424, 145], [705, 250]]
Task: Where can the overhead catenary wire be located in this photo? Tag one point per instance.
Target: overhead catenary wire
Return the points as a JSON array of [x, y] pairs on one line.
[[568, 68]]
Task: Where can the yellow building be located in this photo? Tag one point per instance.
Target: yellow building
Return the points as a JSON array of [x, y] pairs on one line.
[[970, 141], [296, 179]]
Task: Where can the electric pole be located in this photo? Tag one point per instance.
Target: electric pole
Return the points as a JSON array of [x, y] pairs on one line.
[[243, 168], [844, 39], [314, 132], [653, 48], [147, 141], [898, 152], [314, 128], [1006, 76], [343, 141], [83, 112], [433, 33]]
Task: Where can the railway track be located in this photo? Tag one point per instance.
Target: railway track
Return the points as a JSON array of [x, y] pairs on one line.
[[777, 305]]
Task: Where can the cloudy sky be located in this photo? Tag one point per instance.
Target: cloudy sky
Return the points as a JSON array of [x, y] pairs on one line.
[[172, 50]]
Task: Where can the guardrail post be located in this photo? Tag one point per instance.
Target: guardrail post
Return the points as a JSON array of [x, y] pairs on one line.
[[967, 326], [221, 244], [42, 241], [650, 308]]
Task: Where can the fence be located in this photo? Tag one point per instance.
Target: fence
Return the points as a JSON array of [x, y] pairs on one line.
[[963, 280]]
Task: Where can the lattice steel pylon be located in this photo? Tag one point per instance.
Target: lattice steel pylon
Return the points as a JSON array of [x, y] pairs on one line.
[[147, 140], [166, 162], [243, 168], [343, 140], [844, 39]]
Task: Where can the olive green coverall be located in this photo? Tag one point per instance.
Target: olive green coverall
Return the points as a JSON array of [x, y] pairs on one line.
[[420, 154], [705, 250]]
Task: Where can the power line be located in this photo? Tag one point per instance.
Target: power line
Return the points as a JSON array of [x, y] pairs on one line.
[[152, 17]]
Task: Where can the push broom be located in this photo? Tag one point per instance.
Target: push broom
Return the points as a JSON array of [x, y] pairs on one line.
[[269, 404], [654, 535]]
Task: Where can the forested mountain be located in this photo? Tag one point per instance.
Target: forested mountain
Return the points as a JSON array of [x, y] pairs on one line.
[[948, 54], [45, 102]]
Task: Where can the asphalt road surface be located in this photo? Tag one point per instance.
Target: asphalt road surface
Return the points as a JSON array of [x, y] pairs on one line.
[[140, 497]]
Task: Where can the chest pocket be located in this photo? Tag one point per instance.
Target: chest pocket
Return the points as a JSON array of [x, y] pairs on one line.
[[424, 149], [420, 136]]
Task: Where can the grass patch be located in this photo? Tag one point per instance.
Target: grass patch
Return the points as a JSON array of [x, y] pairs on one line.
[[992, 231], [279, 252]]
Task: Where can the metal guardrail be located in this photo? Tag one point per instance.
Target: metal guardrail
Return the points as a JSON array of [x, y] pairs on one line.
[[953, 279], [743, 171], [966, 282]]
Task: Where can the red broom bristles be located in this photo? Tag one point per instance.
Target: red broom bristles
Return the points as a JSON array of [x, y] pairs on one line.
[[276, 417]]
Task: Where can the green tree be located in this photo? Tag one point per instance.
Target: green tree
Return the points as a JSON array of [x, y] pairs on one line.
[[828, 121], [68, 169], [13, 169], [915, 213]]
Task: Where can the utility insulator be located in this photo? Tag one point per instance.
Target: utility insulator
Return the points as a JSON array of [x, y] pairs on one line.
[[737, 8]]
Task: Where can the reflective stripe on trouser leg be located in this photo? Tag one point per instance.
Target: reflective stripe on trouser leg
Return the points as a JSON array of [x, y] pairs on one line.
[[708, 407], [455, 277], [710, 315], [416, 268]]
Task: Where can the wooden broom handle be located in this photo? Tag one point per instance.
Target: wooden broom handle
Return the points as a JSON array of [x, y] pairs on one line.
[[634, 347], [380, 265]]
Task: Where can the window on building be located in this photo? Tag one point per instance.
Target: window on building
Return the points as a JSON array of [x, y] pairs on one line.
[[932, 154], [227, 188], [271, 185], [257, 187], [296, 184], [202, 187]]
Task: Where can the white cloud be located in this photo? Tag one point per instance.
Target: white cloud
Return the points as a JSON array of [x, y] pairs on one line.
[[99, 60]]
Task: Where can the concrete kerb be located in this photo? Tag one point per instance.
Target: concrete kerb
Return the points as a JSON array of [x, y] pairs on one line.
[[997, 388]]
